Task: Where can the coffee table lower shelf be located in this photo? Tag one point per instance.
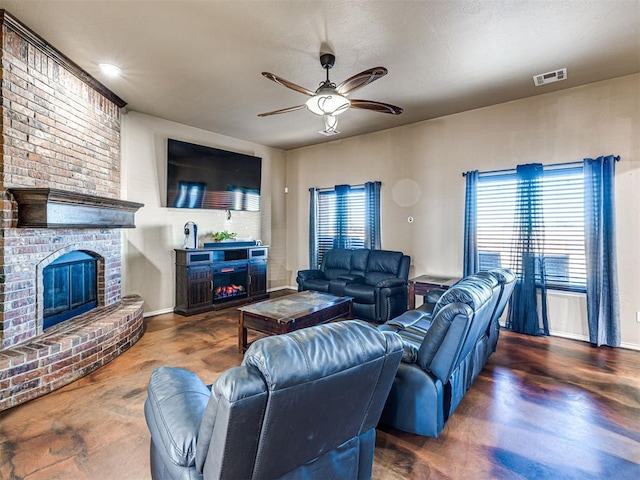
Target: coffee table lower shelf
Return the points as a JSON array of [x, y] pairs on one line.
[[290, 313]]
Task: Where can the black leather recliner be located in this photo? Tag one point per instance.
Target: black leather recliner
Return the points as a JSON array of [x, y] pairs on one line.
[[376, 279], [301, 406], [444, 351]]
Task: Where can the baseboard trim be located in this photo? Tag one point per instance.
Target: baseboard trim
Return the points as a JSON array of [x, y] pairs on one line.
[[286, 287], [570, 336], [584, 338], [630, 346], [157, 312]]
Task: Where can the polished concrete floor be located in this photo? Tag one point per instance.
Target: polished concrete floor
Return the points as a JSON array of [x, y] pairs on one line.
[[543, 408]]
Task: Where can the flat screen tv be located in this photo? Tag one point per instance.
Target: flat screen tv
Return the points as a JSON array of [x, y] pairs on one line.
[[206, 177]]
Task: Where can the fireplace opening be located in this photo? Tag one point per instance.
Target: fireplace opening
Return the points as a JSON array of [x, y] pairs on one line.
[[229, 281], [70, 287]]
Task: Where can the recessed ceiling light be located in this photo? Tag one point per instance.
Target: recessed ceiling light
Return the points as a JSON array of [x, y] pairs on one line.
[[110, 69]]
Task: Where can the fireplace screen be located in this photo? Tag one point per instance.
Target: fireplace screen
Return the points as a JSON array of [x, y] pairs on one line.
[[229, 281], [70, 287]]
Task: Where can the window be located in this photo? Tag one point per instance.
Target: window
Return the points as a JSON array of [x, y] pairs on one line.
[[563, 212], [346, 216], [340, 224]]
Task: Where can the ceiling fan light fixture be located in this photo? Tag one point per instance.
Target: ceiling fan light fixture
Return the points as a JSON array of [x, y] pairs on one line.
[[330, 99], [330, 125], [328, 102]]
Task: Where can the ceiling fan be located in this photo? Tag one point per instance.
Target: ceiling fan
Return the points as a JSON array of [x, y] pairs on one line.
[[330, 100]]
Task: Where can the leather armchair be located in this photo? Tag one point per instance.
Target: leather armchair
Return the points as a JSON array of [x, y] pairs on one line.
[[301, 406]]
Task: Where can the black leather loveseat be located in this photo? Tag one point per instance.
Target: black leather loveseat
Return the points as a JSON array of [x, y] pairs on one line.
[[376, 279]]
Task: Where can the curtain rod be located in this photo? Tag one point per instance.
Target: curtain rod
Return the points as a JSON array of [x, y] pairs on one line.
[[566, 164], [360, 185]]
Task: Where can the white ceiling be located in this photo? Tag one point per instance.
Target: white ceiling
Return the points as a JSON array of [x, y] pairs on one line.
[[199, 62]]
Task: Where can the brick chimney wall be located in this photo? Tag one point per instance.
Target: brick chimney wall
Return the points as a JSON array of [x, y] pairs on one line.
[[60, 129], [57, 132]]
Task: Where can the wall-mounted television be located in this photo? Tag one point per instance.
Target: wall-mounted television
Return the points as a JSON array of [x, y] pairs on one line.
[[206, 177]]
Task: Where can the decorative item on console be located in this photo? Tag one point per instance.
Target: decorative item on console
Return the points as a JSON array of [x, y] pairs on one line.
[[222, 236], [190, 235]]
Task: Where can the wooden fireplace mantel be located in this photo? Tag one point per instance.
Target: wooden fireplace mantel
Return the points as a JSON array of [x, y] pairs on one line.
[[52, 208]]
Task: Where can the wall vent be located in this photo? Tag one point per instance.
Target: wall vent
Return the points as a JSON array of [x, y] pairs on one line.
[[550, 77]]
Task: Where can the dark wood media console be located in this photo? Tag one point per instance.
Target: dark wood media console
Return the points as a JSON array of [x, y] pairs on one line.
[[213, 278]]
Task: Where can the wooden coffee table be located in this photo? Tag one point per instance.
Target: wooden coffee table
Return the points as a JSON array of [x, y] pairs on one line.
[[292, 312]]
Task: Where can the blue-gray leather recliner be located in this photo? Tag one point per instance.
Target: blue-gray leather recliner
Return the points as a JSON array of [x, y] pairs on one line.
[[301, 406], [445, 350]]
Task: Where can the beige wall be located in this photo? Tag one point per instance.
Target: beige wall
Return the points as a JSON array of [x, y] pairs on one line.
[[420, 166], [148, 257]]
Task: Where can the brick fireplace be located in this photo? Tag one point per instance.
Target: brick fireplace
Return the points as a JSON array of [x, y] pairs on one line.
[[60, 139]]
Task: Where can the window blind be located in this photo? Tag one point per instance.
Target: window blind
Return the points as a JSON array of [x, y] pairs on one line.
[[563, 212], [341, 219]]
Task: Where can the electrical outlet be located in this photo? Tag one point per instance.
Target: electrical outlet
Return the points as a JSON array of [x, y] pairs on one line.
[[638, 317]]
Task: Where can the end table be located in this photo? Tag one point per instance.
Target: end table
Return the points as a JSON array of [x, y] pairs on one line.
[[422, 284]]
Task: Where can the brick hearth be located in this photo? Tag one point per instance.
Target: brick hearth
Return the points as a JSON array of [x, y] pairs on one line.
[[68, 351]]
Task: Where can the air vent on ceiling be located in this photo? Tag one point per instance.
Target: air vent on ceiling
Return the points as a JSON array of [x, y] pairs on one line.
[[550, 77]]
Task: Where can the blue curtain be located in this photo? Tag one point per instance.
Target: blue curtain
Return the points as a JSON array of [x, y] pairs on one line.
[[603, 315], [372, 235], [313, 232], [527, 254], [471, 257], [341, 240]]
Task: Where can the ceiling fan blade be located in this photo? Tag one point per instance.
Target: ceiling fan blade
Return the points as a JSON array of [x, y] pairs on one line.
[[288, 84], [376, 106], [361, 79], [282, 110]]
